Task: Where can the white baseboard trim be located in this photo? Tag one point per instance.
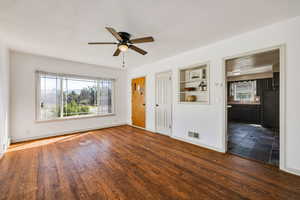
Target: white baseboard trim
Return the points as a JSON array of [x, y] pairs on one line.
[[146, 129], [62, 133], [292, 171], [198, 144], [151, 130], [137, 127], [183, 139], [14, 140], [8, 142]]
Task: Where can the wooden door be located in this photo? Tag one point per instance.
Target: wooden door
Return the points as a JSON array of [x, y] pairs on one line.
[[164, 103], [138, 102]]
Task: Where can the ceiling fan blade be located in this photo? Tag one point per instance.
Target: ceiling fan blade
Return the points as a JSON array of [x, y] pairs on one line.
[[117, 52], [114, 33], [102, 43], [142, 40], [135, 48]]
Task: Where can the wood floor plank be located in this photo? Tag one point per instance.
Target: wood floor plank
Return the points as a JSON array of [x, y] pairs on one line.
[[238, 183], [235, 163], [171, 171], [150, 174], [202, 173], [129, 163]]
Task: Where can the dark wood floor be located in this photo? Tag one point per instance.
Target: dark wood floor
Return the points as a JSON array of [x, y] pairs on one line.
[[129, 163]]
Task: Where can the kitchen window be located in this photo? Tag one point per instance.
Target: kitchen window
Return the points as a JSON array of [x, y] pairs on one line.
[[243, 91]]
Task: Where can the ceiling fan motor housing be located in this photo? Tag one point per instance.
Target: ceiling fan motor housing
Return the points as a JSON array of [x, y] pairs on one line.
[[125, 37]]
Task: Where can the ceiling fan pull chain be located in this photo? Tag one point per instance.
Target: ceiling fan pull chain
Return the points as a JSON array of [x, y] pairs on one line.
[[123, 55]]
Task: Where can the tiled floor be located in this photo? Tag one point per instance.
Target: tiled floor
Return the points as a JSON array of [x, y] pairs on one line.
[[253, 141]]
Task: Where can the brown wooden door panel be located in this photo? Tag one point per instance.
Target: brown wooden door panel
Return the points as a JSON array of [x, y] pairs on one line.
[[138, 102]]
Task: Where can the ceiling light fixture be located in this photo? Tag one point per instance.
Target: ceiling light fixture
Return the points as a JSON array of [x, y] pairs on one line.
[[123, 47]]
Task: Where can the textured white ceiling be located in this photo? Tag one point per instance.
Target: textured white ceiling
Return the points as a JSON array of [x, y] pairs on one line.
[[62, 28]]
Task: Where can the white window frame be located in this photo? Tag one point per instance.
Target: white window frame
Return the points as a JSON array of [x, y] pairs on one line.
[[38, 96], [253, 90]]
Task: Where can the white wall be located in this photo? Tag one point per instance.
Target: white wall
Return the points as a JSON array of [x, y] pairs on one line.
[[4, 98], [208, 119], [23, 125]]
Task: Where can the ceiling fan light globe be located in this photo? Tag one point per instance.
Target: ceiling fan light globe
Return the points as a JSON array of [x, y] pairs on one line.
[[123, 47]]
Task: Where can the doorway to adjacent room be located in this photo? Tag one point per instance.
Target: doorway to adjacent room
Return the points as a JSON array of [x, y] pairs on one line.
[[253, 94]]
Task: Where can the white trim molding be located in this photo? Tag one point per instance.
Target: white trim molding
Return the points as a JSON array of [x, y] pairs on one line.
[[65, 133], [198, 144], [292, 171], [208, 65], [4, 148], [60, 78], [183, 139], [282, 131]]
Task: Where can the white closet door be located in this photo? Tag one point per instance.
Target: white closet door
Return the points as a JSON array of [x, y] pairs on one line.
[[164, 103]]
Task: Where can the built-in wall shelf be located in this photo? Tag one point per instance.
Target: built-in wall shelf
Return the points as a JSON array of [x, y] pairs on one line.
[[200, 92], [194, 84], [191, 81]]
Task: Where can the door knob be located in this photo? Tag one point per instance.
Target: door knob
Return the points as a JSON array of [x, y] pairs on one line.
[[144, 104], [229, 106], [157, 105]]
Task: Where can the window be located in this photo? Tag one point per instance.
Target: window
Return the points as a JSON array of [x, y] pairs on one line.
[[244, 91], [65, 96]]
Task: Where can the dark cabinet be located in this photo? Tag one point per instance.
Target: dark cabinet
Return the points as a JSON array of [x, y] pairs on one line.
[[270, 109], [267, 113], [244, 113]]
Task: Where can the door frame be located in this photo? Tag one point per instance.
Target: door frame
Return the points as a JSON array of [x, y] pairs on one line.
[[145, 77], [156, 74], [282, 97]]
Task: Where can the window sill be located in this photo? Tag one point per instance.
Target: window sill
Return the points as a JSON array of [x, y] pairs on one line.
[[74, 118]]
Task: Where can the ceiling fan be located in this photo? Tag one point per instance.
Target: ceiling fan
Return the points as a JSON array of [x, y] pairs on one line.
[[124, 42]]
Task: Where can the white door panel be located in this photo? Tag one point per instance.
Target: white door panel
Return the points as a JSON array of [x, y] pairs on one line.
[[164, 103]]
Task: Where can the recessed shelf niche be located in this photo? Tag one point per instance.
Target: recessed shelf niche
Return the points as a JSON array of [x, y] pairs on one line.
[[194, 84]]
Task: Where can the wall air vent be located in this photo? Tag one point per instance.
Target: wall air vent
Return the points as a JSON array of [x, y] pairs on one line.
[[193, 134]]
